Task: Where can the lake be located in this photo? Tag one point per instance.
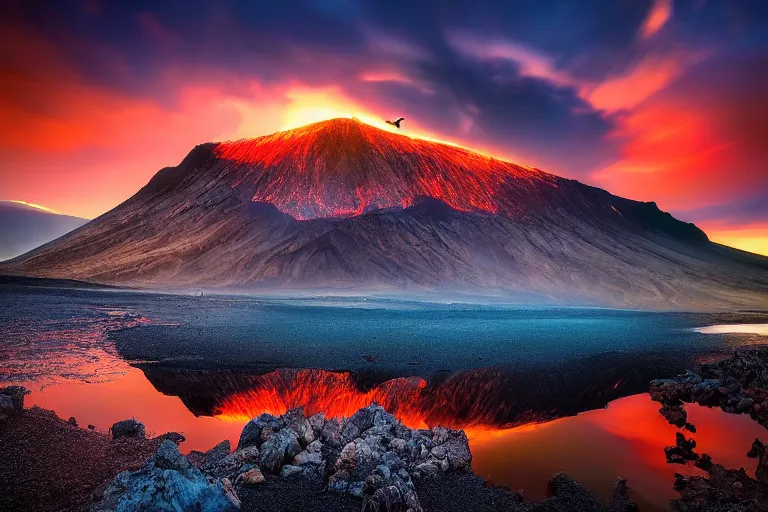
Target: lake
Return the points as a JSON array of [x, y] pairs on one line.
[[513, 377]]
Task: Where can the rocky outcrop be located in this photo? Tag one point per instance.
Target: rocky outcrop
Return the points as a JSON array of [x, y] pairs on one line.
[[13, 398], [736, 385], [167, 482], [729, 490], [370, 460], [131, 429]]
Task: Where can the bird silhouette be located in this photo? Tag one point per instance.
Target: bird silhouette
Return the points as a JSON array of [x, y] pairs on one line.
[[396, 123]]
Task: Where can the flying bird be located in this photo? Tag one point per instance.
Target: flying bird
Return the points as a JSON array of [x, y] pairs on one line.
[[396, 123]]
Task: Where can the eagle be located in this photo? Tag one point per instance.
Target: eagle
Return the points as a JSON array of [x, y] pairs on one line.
[[396, 123]]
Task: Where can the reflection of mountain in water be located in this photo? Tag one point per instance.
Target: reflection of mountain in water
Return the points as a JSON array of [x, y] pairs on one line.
[[485, 397]]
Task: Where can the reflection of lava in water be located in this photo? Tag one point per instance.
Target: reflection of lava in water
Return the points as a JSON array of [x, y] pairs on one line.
[[467, 400]]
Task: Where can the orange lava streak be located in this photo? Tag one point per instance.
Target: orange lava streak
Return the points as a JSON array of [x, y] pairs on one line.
[[458, 403], [344, 167]]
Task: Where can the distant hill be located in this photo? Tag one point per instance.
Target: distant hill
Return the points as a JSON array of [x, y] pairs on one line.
[[24, 227], [343, 205]]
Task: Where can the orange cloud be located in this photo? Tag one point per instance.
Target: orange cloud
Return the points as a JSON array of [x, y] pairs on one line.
[[648, 76], [658, 16]]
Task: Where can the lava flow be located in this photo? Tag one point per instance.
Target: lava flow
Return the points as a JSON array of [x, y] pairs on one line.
[[343, 167], [469, 400]]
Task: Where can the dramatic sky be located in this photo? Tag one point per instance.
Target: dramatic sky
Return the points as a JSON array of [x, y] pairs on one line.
[[663, 100]]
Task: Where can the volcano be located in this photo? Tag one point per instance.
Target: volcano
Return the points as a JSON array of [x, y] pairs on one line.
[[341, 205]]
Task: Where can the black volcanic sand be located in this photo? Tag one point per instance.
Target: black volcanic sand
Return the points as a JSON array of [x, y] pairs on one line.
[[46, 464]]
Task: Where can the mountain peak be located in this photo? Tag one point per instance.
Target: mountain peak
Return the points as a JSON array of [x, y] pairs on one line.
[[343, 167]]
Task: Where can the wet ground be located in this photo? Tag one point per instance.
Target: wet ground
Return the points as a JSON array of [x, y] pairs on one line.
[[204, 365]]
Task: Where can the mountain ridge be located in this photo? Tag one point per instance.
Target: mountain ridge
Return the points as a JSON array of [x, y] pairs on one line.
[[397, 213]]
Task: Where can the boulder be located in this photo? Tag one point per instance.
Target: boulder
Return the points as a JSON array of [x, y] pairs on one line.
[[281, 447], [257, 430], [251, 477], [167, 482], [131, 429]]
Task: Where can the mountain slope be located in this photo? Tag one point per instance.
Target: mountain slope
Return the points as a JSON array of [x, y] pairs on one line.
[[24, 227], [340, 204]]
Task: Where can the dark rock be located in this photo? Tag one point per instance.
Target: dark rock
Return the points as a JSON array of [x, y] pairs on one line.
[[281, 447], [72, 421], [254, 431], [758, 452], [675, 414], [16, 394], [91, 427], [620, 501], [131, 429], [166, 482], [682, 452], [173, 436]]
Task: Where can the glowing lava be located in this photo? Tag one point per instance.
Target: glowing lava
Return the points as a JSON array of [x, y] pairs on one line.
[[344, 167], [468, 401]]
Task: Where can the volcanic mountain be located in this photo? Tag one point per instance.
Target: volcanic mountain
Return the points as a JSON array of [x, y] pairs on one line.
[[343, 205]]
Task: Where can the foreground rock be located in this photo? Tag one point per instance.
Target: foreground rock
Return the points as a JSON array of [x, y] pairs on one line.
[[367, 462], [371, 462], [167, 482]]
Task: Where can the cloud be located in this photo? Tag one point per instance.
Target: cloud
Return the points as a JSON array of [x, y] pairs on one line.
[[658, 16], [531, 63], [649, 75]]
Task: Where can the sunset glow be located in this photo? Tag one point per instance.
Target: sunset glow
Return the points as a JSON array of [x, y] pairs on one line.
[[666, 109]]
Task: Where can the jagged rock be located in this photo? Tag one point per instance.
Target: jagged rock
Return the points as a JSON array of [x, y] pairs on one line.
[[305, 457], [758, 451], [176, 437], [620, 501], [675, 414], [251, 477], [167, 482], [357, 457], [331, 433], [339, 481], [230, 493], [682, 452], [217, 453], [72, 421], [256, 430], [456, 447], [289, 470], [427, 469], [281, 447], [16, 395], [294, 419], [317, 422], [704, 462], [131, 429]]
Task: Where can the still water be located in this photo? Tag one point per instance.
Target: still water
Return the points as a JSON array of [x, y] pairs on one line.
[[529, 385]]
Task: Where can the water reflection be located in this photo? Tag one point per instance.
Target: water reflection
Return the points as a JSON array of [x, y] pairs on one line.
[[626, 438]]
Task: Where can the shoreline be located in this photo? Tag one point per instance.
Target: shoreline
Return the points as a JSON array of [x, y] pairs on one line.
[[726, 384]]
